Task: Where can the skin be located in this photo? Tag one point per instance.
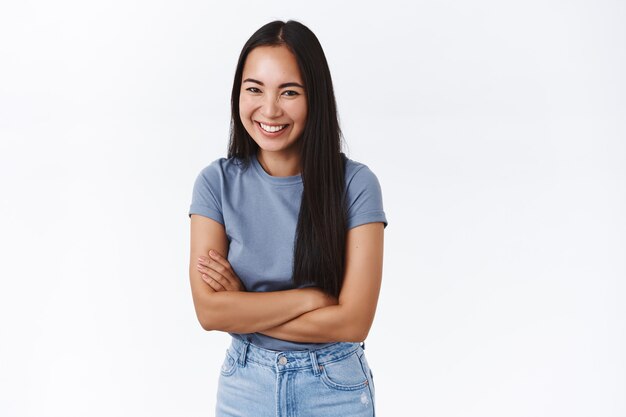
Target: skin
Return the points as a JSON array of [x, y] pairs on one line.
[[268, 95], [241, 311], [272, 92], [350, 319]]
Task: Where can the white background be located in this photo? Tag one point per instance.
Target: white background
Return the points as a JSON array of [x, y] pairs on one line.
[[497, 131]]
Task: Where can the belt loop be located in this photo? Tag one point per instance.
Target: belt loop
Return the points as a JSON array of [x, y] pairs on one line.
[[363, 345], [316, 368], [242, 357]]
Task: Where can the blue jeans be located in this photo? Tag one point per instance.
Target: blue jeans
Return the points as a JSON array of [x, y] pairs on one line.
[[333, 381]]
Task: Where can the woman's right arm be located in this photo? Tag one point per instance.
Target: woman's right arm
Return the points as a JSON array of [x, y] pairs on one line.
[[240, 311]]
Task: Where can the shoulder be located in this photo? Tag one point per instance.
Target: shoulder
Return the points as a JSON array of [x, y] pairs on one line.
[[209, 187], [364, 197], [222, 172], [221, 168], [359, 176]]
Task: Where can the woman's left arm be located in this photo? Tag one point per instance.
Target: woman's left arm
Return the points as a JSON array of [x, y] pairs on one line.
[[350, 320]]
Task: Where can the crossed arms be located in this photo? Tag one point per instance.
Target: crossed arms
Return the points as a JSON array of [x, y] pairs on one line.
[[300, 315]]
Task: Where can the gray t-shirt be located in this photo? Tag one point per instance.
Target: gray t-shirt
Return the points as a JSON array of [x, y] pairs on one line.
[[260, 213]]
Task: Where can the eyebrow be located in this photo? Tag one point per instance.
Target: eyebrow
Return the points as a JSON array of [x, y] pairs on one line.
[[292, 84]]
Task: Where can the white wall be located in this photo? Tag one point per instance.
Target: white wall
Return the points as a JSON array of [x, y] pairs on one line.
[[497, 131]]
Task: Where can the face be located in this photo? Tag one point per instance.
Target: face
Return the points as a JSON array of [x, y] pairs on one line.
[[272, 100]]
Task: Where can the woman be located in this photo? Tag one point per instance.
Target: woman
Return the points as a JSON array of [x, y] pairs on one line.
[[287, 240]]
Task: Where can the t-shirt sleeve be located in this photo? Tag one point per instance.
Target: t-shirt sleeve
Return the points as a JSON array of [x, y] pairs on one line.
[[365, 199], [206, 198]]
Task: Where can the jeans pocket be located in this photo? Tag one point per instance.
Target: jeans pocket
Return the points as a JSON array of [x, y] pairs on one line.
[[345, 374], [229, 365], [368, 370]]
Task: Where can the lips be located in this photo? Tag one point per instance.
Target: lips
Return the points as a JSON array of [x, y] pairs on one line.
[[272, 128]]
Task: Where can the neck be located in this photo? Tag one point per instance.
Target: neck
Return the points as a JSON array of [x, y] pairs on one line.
[[279, 165]]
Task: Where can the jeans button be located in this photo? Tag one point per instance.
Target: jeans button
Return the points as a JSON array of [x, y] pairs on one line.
[[282, 360]]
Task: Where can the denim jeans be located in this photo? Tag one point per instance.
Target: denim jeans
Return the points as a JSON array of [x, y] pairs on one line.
[[333, 381]]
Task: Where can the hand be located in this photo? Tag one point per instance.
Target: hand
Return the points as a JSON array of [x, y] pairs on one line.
[[217, 272]]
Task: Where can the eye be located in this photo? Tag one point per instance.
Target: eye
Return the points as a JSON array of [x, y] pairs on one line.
[[291, 93], [253, 90]]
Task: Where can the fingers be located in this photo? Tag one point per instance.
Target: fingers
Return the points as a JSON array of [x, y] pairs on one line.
[[221, 271], [213, 283], [214, 276], [223, 267], [213, 264], [220, 259], [219, 264]]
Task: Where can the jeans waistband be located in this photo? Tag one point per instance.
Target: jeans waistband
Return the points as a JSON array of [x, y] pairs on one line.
[[245, 351]]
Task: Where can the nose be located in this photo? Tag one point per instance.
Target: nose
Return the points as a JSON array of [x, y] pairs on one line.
[[271, 106]]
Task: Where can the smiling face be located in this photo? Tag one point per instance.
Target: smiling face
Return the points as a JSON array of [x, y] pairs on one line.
[[272, 101]]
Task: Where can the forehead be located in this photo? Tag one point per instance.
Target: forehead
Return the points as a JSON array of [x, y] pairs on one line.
[[272, 65]]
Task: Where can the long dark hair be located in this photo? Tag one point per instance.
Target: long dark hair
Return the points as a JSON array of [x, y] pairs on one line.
[[320, 245]]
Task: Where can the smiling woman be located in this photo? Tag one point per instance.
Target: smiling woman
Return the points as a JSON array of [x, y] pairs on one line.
[[287, 240], [273, 107]]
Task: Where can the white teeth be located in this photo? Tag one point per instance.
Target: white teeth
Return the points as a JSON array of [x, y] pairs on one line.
[[272, 129]]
